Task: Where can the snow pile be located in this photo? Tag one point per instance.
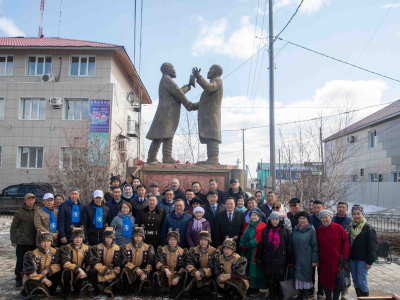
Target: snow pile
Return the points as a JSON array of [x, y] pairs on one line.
[[391, 211], [368, 209]]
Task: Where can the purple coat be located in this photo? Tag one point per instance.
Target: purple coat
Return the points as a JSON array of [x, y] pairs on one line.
[[191, 234]]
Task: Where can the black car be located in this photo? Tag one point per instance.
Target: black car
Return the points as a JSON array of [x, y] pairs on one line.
[[12, 197]]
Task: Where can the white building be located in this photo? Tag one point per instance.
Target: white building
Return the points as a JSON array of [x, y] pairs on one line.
[[32, 129], [370, 163]]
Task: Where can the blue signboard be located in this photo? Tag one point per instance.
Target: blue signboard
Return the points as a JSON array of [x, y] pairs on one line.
[[99, 130]]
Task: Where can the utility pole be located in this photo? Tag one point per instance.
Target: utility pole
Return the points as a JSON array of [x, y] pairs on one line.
[[271, 98], [244, 159]]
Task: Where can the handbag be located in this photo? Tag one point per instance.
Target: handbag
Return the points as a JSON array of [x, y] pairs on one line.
[[288, 287], [343, 280]]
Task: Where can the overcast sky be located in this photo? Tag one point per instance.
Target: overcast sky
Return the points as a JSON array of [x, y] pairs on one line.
[[191, 33]]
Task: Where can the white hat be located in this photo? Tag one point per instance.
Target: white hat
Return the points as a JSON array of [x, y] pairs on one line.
[[199, 208], [98, 193], [47, 196]]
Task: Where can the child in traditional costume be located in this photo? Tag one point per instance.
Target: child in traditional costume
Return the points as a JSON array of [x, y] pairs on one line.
[[42, 269], [140, 260], [230, 271]]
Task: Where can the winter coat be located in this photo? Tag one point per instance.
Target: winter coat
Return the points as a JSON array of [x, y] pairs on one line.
[[42, 222], [64, 219], [93, 235], [221, 196], [166, 119], [305, 249], [202, 197], [251, 237], [365, 246], [344, 221], [236, 195], [191, 234], [172, 221], [209, 215], [209, 115], [22, 230], [333, 242], [265, 210], [137, 205], [294, 219], [315, 221], [275, 262], [167, 207], [118, 221], [114, 207], [153, 222], [225, 228]]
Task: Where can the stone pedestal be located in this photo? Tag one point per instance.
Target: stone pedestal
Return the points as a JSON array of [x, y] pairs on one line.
[[186, 174]]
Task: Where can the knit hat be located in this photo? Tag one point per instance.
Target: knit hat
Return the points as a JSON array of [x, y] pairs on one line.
[[199, 208], [109, 232], [138, 230], [357, 207], [303, 214], [275, 215], [204, 234], [325, 212], [44, 236], [257, 211], [77, 231], [174, 234], [230, 243]]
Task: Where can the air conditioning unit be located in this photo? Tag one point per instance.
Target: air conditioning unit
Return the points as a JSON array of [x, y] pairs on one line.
[[48, 78], [56, 102], [351, 138]]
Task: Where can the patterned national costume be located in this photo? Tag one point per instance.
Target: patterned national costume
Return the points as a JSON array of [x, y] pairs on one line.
[[230, 271], [202, 261], [36, 262], [72, 258], [172, 259], [106, 260], [138, 257]]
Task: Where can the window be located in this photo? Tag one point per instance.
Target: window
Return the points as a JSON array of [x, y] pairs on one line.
[[30, 157], [72, 158], [122, 145], [83, 65], [66, 158], [373, 177], [396, 176], [33, 109], [6, 65], [76, 109], [380, 177], [371, 139], [353, 178], [361, 172], [39, 65], [2, 103]]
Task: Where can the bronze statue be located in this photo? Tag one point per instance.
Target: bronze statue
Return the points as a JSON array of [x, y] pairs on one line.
[[209, 111], [166, 119]]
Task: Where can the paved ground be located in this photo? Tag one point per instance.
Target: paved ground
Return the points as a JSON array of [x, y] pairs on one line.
[[384, 279]]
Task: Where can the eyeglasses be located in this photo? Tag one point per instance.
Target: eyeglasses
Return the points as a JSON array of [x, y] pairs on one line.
[[276, 207]]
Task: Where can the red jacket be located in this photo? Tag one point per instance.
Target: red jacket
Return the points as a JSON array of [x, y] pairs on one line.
[[332, 241]]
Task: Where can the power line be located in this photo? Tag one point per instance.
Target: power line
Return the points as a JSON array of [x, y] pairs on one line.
[[339, 60], [140, 40]]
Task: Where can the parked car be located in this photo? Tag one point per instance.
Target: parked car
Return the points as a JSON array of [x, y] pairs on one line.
[[12, 197]]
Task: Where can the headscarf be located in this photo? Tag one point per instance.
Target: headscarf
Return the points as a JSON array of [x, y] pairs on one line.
[[125, 195]]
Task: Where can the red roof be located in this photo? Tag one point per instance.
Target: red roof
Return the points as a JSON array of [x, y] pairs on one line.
[[385, 113], [51, 42]]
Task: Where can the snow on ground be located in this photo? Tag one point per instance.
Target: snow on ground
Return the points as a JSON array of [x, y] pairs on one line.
[[368, 209]]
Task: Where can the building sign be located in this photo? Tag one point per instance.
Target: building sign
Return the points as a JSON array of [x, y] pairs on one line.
[[99, 132]]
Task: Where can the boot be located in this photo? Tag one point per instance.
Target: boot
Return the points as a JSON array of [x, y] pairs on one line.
[[358, 292], [364, 294], [167, 152], [272, 290], [212, 152], [153, 150]]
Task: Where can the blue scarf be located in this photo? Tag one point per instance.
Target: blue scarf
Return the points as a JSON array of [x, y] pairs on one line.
[[98, 218], [53, 220], [127, 227], [76, 214]]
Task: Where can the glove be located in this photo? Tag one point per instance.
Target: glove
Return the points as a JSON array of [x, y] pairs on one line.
[[243, 248]]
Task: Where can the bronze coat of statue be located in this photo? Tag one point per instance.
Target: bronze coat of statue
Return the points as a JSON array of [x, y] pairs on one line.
[[209, 111], [167, 116]]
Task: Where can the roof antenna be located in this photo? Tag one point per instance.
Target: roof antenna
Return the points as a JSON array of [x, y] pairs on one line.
[[59, 20]]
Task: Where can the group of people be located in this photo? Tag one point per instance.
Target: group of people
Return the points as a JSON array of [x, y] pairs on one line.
[[187, 242]]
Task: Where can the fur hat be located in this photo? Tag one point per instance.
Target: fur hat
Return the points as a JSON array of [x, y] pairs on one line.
[[44, 236], [77, 231], [174, 234], [204, 234], [138, 230], [115, 177], [109, 232], [230, 243]]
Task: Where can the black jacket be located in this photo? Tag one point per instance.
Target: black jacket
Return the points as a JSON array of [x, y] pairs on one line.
[[202, 197], [93, 235], [64, 219], [275, 262], [137, 205], [209, 215], [295, 219], [265, 209], [153, 222], [114, 207], [236, 195], [225, 228], [221, 196], [365, 246]]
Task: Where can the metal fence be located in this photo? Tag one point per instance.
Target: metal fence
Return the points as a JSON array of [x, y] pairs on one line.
[[382, 223]]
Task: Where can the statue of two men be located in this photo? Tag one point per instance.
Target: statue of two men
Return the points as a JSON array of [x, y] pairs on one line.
[[167, 116]]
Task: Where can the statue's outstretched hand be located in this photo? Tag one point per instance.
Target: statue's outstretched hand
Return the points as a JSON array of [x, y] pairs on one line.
[[196, 72]]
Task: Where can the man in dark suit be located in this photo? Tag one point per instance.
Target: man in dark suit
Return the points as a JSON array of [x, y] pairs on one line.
[[266, 208], [213, 185], [211, 210], [229, 222]]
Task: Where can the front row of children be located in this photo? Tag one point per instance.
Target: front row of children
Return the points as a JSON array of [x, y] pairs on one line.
[[108, 267]]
